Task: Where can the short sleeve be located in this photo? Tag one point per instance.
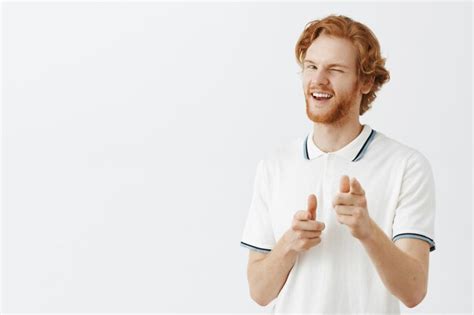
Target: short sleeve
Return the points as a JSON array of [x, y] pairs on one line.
[[258, 232], [415, 212]]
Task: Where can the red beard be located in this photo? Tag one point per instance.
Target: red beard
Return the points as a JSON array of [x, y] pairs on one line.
[[333, 111]]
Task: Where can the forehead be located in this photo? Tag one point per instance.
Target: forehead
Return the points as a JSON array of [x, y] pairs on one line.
[[329, 49]]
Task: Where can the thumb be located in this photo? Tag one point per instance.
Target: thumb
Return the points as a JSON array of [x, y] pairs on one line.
[[312, 205], [344, 185]]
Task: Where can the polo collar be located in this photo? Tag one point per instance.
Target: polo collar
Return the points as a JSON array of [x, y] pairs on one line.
[[353, 151]]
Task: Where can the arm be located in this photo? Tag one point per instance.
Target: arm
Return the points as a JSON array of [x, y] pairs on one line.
[[402, 266], [267, 273]]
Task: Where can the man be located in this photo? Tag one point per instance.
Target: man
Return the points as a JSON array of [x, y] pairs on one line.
[[341, 220]]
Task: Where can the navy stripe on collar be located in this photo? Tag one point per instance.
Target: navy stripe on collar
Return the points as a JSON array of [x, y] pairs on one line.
[[364, 147], [305, 148], [359, 155]]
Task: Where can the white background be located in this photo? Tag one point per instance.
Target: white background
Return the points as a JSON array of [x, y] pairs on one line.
[[131, 135]]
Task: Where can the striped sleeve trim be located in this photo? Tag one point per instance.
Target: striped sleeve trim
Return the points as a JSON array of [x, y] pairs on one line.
[[417, 236], [255, 248]]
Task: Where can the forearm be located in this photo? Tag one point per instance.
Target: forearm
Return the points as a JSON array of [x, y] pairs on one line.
[[267, 276], [403, 275]]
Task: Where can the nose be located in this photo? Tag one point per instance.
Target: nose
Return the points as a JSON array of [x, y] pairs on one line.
[[319, 77]]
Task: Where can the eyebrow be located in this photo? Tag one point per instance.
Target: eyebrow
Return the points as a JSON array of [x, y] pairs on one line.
[[330, 65]]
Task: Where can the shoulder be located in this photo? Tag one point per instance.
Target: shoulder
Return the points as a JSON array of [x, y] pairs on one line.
[[391, 149], [284, 154]]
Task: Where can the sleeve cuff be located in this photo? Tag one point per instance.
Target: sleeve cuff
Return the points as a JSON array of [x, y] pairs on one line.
[[255, 248], [417, 236]]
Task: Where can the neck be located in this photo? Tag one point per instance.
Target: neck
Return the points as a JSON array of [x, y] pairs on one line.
[[332, 137]]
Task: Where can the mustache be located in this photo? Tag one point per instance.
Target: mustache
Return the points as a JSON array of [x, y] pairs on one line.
[[310, 90]]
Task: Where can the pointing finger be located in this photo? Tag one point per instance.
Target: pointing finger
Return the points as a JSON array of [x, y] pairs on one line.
[[344, 185], [356, 187], [312, 205]]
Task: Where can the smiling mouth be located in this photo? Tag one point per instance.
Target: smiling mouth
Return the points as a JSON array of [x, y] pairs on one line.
[[321, 96]]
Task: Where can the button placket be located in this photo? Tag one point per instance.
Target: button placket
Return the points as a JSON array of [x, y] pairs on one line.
[[328, 181]]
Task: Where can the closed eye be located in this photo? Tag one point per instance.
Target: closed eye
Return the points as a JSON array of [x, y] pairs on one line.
[[315, 68]]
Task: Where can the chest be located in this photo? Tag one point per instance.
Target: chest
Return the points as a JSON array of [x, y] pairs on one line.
[[322, 178]]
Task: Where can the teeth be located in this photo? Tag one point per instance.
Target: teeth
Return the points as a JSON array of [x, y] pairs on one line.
[[322, 95]]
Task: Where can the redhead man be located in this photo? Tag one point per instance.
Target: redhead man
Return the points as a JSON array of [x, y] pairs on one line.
[[342, 219]]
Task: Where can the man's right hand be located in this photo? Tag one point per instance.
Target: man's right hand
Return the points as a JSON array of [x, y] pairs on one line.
[[305, 231]]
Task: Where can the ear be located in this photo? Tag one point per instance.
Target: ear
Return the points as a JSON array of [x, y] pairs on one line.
[[367, 86]]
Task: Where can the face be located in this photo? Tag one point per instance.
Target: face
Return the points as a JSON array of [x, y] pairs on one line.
[[329, 67]]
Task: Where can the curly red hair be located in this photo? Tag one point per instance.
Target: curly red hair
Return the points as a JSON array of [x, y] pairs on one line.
[[370, 64]]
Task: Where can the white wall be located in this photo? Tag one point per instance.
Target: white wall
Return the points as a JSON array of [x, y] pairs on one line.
[[131, 135]]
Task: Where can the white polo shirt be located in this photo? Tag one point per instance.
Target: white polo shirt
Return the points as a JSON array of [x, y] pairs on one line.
[[337, 275]]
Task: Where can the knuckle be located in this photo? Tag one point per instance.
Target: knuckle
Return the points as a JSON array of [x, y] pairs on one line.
[[294, 226]]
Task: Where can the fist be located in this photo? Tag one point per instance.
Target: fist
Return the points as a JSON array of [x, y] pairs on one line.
[[305, 231]]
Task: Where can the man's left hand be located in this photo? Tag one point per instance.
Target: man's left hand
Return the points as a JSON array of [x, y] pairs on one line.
[[351, 208]]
